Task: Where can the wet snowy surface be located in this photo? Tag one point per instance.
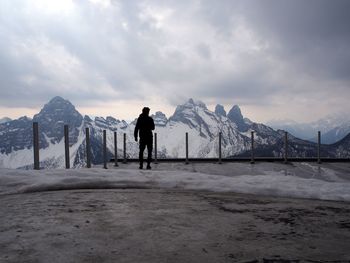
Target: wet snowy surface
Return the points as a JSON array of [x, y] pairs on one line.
[[302, 180], [234, 212]]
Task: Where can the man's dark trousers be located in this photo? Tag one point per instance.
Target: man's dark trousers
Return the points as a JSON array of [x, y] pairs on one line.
[[143, 143]]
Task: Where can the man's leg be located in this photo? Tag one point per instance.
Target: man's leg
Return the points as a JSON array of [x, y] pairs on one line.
[[149, 150], [142, 149]]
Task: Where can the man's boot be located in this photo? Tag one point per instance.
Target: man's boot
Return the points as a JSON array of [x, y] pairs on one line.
[[148, 167], [141, 166]]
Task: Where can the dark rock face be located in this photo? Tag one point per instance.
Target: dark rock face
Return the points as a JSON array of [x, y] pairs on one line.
[[16, 135], [236, 116], [53, 117], [220, 110]]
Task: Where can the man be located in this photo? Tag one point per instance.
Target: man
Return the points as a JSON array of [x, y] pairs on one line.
[[144, 127]]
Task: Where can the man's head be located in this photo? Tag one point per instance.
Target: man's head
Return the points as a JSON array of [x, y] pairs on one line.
[[145, 111]]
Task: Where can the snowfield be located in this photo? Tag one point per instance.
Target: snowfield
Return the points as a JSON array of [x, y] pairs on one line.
[[299, 180]]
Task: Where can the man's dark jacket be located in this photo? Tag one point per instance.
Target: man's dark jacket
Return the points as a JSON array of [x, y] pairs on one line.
[[144, 126]]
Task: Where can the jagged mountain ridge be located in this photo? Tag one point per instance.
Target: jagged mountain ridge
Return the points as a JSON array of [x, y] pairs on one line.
[[193, 117]]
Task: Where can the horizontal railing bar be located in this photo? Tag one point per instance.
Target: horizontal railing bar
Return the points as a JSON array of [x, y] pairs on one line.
[[285, 158], [245, 159]]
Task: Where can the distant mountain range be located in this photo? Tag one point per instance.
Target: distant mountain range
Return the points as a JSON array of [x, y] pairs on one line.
[[202, 125], [333, 128]]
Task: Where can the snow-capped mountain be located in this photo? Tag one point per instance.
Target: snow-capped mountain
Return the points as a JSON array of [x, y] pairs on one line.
[[333, 128], [336, 134], [202, 125], [301, 130]]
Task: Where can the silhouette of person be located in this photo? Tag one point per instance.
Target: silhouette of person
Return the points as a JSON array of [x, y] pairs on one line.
[[144, 127]]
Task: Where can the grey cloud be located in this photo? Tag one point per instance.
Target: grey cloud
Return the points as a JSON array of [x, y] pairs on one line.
[[314, 35], [307, 51], [204, 51]]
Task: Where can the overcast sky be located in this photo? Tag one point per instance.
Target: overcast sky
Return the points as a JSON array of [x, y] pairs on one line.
[[277, 59]]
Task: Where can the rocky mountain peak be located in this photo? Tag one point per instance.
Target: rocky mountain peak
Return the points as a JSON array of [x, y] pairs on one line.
[[58, 100], [58, 108], [159, 118], [87, 118], [193, 103], [106, 123], [190, 101], [187, 111], [112, 121], [235, 115], [220, 110], [53, 116]]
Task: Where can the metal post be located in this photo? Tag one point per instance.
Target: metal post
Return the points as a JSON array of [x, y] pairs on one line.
[[36, 145], [252, 148], [319, 148], [155, 148], [285, 147], [66, 145], [88, 148], [104, 149], [220, 134], [187, 148], [115, 149], [124, 148]]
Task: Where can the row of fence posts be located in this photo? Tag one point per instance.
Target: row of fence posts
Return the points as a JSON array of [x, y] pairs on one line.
[[88, 148]]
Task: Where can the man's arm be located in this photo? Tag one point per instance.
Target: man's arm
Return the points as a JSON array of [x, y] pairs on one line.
[[136, 131]]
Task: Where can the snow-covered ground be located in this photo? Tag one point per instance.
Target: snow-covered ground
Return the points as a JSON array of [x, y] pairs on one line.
[[298, 180], [177, 213]]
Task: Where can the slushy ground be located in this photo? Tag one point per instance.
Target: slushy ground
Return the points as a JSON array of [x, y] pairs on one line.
[[167, 214]]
